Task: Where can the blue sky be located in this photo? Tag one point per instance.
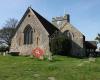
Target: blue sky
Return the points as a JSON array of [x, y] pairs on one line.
[[85, 14]]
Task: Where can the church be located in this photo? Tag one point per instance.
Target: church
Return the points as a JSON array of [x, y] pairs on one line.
[[56, 37]]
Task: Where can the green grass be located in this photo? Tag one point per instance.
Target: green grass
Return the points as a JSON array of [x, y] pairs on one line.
[[61, 68]]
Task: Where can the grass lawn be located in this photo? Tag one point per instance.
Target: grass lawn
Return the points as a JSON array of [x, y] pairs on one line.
[[62, 68]]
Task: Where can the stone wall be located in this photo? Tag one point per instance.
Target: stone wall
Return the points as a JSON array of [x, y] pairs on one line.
[[38, 32], [77, 37], [77, 40]]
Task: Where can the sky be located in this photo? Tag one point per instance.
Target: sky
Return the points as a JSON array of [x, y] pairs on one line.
[[84, 14]]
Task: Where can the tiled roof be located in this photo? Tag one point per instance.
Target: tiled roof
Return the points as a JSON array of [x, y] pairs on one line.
[[91, 44]]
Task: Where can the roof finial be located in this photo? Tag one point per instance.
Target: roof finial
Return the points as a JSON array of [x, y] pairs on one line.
[[30, 6]]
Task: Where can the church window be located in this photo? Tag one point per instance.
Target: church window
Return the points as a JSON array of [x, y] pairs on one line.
[[28, 35], [68, 34], [37, 40], [29, 15]]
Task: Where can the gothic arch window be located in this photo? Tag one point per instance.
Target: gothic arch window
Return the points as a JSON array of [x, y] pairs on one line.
[[68, 34], [28, 35]]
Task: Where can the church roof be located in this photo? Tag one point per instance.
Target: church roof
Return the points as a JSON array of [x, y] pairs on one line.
[[47, 25], [63, 22], [91, 44]]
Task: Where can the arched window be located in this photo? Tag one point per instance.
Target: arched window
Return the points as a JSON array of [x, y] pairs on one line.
[[68, 34], [28, 35]]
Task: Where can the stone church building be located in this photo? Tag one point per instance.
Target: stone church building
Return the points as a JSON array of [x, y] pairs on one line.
[[56, 37]]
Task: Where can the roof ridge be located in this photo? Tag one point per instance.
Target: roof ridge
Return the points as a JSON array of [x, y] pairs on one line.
[[47, 25]]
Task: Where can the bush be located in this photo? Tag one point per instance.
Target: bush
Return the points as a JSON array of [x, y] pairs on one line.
[[4, 48]]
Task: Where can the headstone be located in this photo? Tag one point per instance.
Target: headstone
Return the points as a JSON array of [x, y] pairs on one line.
[[4, 53], [51, 78]]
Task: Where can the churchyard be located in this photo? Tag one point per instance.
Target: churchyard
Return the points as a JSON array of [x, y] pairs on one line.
[[60, 68]]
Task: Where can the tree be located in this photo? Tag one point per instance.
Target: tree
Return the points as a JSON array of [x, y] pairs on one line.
[[8, 31], [98, 37]]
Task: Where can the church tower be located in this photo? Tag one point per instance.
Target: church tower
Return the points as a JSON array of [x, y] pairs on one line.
[[58, 21]]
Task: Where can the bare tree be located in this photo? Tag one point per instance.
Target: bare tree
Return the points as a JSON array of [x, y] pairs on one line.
[[8, 31]]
